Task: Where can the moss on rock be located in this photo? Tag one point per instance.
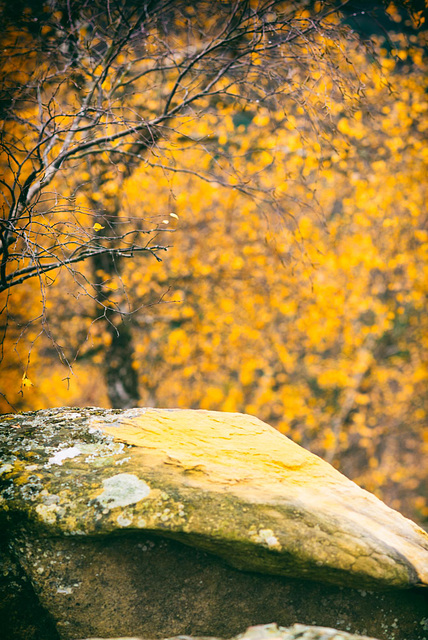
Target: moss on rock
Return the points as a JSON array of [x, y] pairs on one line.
[[96, 504], [226, 483]]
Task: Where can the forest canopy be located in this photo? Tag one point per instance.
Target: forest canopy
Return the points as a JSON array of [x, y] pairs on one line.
[[222, 205]]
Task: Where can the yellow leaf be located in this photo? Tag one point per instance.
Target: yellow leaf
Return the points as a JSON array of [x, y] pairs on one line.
[[97, 226], [26, 382]]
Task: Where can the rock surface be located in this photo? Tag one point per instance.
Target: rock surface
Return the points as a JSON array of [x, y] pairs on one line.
[[227, 483], [85, 490], [273, 632]]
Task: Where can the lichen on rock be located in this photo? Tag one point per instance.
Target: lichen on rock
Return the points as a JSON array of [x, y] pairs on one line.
[[122, 490], [227, 483], [112, 516], [274, 632]]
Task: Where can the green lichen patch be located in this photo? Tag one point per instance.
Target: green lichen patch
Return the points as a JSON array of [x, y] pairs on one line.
[[122, 490]]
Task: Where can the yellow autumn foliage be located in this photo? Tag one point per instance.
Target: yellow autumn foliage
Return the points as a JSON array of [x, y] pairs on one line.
[[296, 285]]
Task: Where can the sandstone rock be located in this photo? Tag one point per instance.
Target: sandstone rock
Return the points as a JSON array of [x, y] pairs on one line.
[[227, 483], [297, 632], [85, 490], [273, 632]]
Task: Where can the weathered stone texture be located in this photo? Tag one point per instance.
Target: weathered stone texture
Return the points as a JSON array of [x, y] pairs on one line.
[[98, 503], [273, 632]]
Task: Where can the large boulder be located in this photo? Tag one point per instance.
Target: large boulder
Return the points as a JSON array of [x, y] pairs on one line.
[[98, 504], [273, 632]]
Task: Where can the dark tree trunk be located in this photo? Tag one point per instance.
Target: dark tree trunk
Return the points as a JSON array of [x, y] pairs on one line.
[[118, 364], [120, 376]]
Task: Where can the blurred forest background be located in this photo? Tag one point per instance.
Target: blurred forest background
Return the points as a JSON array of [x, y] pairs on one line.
[[223, 206]]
